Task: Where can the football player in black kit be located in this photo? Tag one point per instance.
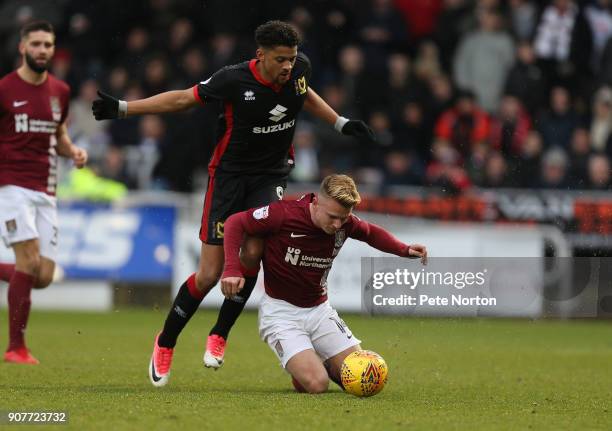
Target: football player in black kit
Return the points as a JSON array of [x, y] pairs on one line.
[[260, 100]]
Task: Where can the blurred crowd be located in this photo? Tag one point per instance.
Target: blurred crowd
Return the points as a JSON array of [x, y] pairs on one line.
[[461, 93]]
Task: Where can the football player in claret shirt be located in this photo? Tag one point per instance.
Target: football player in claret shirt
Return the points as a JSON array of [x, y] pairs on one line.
[[302, 238], [33, 110], [259, 100]]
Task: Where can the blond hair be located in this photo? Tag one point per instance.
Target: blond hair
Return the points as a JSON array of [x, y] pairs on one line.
[[340, 188]]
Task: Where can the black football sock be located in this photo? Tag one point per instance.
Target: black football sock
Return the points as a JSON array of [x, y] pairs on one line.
[[187, 301], [231, 309]]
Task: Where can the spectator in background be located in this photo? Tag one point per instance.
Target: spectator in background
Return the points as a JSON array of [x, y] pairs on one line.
[[333, 22], [445, 171], [496, 171], [114, 167], [605, 66], [483, 60], [156, 75], [599, 172], [118, 80], [420, 16], [381, 31], [193, 67], [401, 84], [412, 132], [441, 94], [599, 17], [523, 18], [142, 158], [126, 133], [558, 124], [579, 155], [554, 170], [137, 46], [306, 148], [179, 38], [224, 50], [475, 164], [380, 123], [463, 126], [83, 128], [526, 79], [510, 127], [563, 42], [339, 153], [402, 168], [358, 86], [525, 169], [601, 122], [303, 21], [453, 22], [427, 63]]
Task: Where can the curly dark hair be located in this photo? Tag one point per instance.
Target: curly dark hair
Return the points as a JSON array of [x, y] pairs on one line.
[[276, 33]]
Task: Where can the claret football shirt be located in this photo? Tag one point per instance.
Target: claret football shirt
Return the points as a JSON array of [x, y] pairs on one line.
[[29, 118]]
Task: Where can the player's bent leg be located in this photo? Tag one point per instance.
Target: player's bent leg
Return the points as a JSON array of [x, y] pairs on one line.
[[27, 256], [308, 370], [45, 273], [334, 364], [188, 299]]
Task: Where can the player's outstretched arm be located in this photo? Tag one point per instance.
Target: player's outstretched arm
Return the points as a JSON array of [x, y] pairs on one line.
[[108, 107], [383, 240], [66, 148], [318, 107]]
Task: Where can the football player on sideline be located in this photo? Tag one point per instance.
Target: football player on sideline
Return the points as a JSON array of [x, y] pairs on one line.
[[260, 100], [33, 110], [302, 238]]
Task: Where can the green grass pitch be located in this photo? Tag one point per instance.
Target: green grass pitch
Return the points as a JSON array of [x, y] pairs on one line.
[[445, 374]]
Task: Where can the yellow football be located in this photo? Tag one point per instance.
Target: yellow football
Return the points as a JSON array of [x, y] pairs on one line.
[[364, 373]]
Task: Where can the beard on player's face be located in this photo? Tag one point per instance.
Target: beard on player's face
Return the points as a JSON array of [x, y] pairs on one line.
[[37, 66]]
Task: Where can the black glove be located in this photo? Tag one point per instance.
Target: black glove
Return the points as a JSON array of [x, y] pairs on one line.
[[105, 108], [359, 130]]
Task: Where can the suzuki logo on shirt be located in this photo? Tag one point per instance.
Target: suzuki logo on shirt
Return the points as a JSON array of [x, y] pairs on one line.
[[278, 113]]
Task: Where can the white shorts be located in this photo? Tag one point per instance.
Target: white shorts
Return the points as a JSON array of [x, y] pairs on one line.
[[289, 329], [27, 214]]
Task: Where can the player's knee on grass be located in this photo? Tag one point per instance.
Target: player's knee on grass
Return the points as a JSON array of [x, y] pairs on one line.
[[315, 383]]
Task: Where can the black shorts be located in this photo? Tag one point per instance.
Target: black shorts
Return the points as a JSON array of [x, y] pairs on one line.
[[228, 194]]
